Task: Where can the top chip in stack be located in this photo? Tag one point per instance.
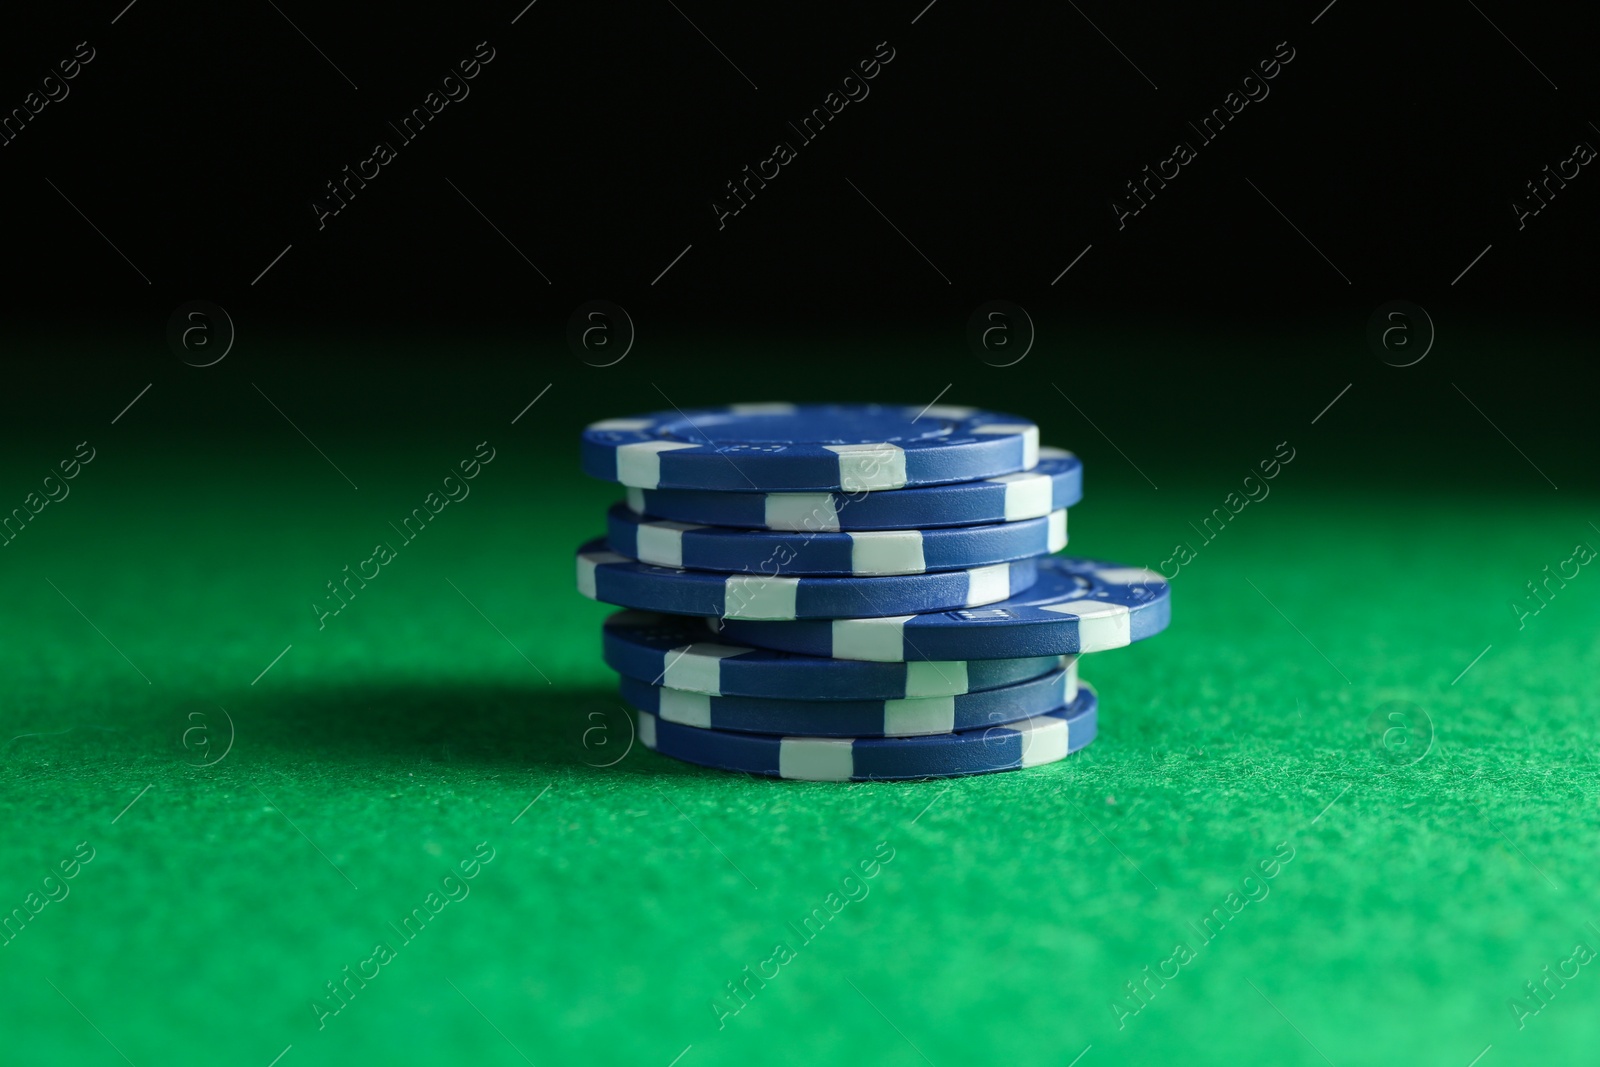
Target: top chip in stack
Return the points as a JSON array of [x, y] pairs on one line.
[[850, 592]]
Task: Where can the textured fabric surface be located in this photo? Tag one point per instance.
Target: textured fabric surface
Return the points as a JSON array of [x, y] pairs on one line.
[[458, 709]]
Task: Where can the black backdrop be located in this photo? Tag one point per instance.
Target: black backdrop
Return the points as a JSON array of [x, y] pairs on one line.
[[1380, 162]]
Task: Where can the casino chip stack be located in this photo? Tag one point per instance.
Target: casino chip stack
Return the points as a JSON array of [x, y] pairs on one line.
[[852, 592]]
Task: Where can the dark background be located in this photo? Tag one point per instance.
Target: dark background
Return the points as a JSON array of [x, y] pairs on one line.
[[1173, 357], [995, 140]]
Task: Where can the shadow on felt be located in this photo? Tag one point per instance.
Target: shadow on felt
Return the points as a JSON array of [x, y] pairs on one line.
[[487, 725]]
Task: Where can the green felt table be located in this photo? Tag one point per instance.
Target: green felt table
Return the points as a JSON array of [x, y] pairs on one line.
[[267, 799]]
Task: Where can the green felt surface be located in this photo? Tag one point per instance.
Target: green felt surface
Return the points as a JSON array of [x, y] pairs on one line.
[[465, 685]]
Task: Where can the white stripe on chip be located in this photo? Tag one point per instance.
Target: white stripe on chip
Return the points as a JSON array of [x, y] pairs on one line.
[[661, 543], [1058, 530], [931, 679], [776, 408], [804, 512], [698, 667], [749, 596], [1028, 496], [587, 562], [1030, 439], [639, 464], [949, 411], [1130, 576], [1100, 625], [920, 715], [887, 552], [870, 466], [622, 425], [880, 640], [986, 585], [690, 709], [816, 759], [1044, 739]]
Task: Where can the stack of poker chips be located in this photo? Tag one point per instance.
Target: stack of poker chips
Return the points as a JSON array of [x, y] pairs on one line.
[[852, 592]]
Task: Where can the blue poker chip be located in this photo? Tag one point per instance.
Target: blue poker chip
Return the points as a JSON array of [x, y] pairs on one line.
[[1031, 742], [862, 553], [1056, 483], [616, 579], [849, 447], [1077, 605], [857, 718], [674, 651]]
